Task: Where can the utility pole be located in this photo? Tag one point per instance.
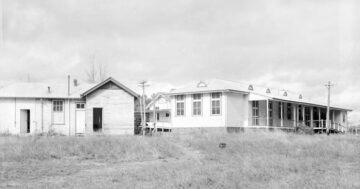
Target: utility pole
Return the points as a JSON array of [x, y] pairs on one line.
[[143, 84], [328, 85]]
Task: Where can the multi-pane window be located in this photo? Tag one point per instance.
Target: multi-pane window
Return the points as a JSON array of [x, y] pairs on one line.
[[270, 113], [58, 106], [197, 108], [289, 112], [215, 103], [180, 105], [58, 114], [80, 106], [255, 112]]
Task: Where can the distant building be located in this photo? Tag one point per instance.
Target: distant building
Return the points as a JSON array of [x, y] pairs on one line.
[[220, 103], [159, 112], [107, 108]]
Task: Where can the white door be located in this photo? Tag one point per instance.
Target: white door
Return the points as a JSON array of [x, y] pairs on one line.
[[80, 121]]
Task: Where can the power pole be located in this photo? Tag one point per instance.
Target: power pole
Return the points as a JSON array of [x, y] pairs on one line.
[[328, 85], [143, 84]]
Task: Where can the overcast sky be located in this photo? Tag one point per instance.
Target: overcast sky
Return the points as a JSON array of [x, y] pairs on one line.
[[288, 44]]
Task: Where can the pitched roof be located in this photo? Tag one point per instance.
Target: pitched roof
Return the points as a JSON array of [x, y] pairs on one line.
[[110, 79], [156, 98], [219, 85], [41, 90]]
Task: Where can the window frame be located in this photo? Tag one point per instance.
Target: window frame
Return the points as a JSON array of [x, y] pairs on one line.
[[271, 113], [80, 103], [197, 101], [212, 99], [289, 112], [53, 111], [177, 101], [255, 108], [60, 105]]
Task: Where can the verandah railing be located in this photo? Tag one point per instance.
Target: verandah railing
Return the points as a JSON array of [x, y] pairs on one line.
[[317, 124]]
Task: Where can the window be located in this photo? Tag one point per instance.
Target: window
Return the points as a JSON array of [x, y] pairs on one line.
[[58, 114], [215, 103], [167, 115], [289, 112], [158, 116], [344, 117], [255, 112], [180, 105], [270, 113], [58, 106], [80, 105], [300, 113], [197, 108]]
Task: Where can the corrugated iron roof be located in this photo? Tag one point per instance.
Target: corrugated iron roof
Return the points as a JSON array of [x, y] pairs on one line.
[[51, 90], [215, 85]]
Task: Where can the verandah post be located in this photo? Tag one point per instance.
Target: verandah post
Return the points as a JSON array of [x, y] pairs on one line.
[[267, 112], [294, 114], [282, 114], [312, 117]]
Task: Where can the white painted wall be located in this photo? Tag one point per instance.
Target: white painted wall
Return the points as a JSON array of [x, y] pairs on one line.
[[40, 116], [205, 120], [118, 111], [237, 110]]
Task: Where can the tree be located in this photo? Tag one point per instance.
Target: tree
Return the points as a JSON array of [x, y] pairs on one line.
[[97, 71]]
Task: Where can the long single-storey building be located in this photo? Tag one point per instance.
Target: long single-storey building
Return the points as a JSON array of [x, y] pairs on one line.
[[106, 107], [221, 103]]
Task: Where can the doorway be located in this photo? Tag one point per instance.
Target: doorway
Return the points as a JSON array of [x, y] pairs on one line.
[[97, 119], [24, 121]]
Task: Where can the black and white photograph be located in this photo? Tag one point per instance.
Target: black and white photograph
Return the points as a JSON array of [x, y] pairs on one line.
[[162, 94]]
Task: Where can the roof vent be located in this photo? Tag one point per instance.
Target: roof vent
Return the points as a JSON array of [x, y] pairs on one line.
[[300, 96], [250, 88], [268, 90], [201, 84], [285, 93]]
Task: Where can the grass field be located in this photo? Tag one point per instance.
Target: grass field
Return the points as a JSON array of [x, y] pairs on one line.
[[192, 160]]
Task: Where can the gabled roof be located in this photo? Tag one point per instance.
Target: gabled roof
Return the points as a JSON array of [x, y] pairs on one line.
[[110, 79], [41, 90], [156, 98], [219, 85]]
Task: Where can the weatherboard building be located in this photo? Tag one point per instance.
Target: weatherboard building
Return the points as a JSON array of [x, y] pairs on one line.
[[227, 104], [106, 107]]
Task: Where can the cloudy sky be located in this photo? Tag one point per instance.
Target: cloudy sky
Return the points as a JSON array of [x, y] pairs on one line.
[[288, 44]]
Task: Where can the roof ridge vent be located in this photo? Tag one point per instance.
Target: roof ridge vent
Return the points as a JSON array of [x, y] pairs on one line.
[[250, 88], [268, 91], [300, 96], [202, 84], [285, 93]]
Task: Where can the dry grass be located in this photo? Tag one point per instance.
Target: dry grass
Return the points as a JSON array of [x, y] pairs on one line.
[[192, 160]]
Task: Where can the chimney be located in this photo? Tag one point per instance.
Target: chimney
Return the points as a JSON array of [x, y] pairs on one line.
[[49, 89], [75, 82]]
